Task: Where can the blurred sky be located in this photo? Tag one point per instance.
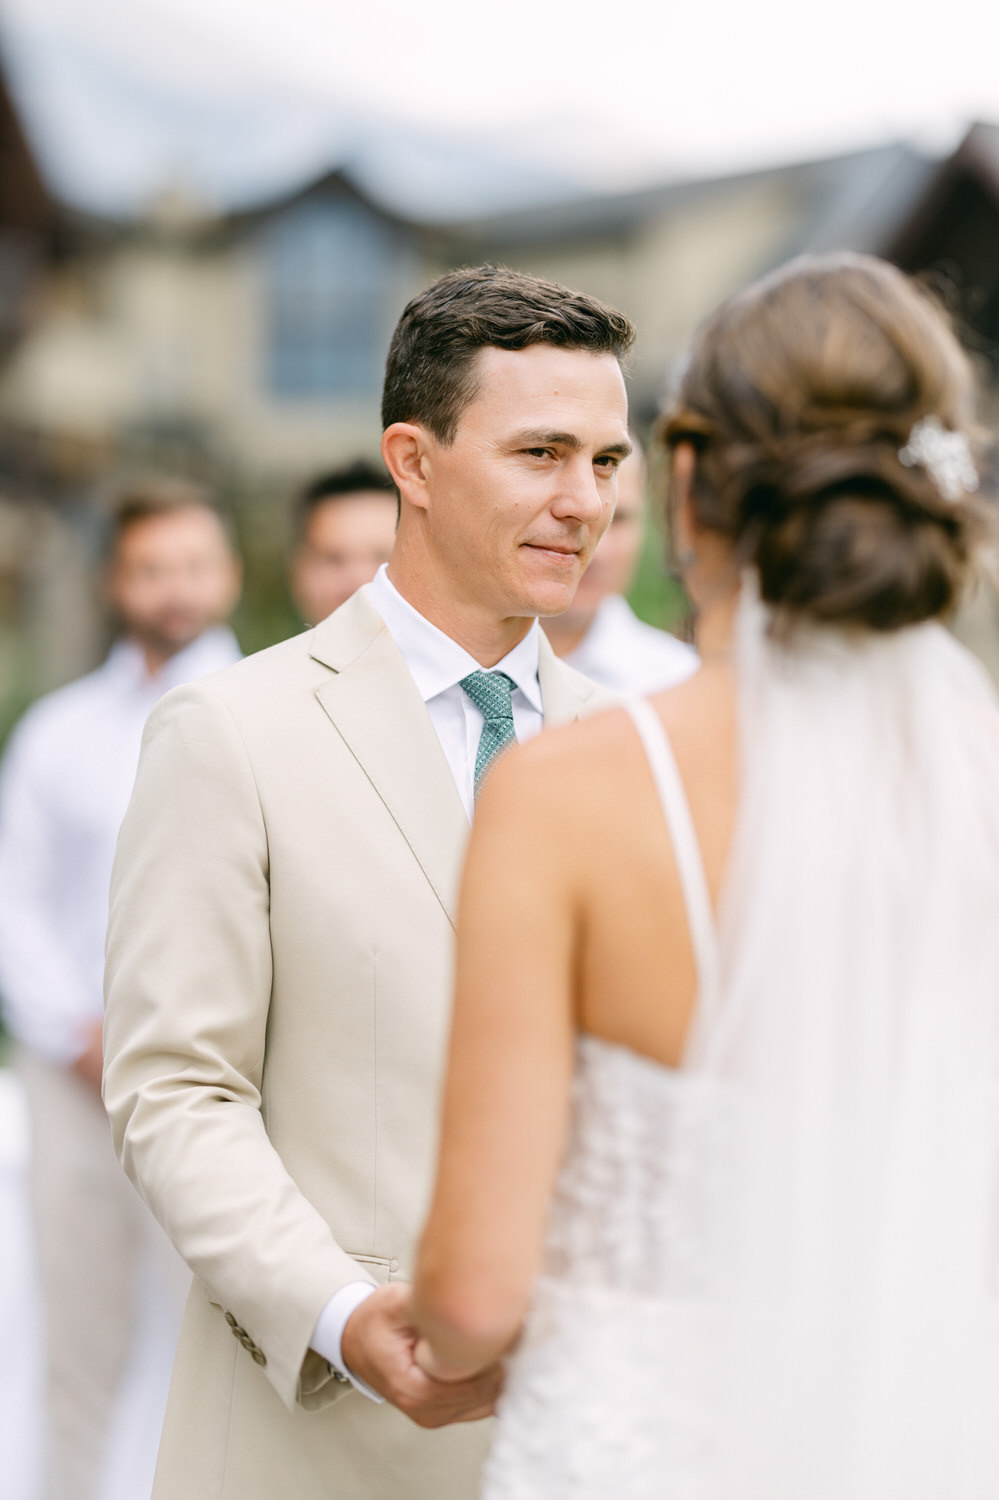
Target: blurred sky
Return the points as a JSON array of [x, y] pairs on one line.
[[240, 98]]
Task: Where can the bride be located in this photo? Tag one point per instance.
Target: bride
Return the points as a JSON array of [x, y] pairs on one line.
[[719, 1169]]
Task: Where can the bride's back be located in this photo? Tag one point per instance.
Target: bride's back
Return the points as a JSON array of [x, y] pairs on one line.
[[637, 975]]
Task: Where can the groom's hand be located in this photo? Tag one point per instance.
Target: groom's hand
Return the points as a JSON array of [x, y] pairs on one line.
[[379, 1343]]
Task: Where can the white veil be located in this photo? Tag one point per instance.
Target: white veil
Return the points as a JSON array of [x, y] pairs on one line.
[[850, 1235]]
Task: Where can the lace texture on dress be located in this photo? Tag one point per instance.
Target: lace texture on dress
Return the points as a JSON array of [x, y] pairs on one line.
[[605, 1390]]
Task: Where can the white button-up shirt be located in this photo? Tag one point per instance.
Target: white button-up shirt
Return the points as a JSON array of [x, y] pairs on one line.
[[624, 654], [437, 664], [64, 787]]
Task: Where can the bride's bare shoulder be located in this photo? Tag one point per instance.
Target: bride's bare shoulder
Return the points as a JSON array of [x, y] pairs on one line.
[[573, 748], [576, 763], [557, 776]]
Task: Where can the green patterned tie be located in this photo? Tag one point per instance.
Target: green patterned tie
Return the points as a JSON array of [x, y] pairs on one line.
[[490, 692]]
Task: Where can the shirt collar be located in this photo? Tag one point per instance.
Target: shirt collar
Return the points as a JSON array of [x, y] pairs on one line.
[[435, 661], [126, 663], [603, 635], [215, 648]]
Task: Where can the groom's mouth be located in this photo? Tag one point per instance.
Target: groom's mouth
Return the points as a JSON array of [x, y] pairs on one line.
[[560, 553]]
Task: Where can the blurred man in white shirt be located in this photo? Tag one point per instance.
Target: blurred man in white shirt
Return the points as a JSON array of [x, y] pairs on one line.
[[346, 523], [113, 1287], [599, 634]]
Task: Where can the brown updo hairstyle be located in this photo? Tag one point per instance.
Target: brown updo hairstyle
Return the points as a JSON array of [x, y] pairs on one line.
[[798, 395]]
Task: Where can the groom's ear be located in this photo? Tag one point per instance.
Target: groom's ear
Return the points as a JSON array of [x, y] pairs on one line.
[[406, 451]]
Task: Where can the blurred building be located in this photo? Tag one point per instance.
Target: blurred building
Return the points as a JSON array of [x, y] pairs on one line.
[[36, 237], [247, 347], [258, 338]]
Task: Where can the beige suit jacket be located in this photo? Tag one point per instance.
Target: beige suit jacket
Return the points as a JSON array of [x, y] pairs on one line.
[[278, 983]]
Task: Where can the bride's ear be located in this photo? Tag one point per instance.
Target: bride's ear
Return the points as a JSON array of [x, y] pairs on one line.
[[684, 525]]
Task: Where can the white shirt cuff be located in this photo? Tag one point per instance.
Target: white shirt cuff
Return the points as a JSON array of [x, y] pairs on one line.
[[327, 1336]]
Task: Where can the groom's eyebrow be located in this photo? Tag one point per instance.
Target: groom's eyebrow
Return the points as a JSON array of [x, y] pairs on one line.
[[544, 438]]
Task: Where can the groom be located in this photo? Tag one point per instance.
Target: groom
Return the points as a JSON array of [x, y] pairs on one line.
[[279, 950]]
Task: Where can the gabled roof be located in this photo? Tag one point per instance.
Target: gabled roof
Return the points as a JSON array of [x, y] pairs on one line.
[[25, 202], [336, 181], [835, 192], [951, 234], [33, 228], [967, 179], [199, 228]]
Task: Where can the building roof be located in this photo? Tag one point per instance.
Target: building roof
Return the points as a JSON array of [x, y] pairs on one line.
[[834, 189]]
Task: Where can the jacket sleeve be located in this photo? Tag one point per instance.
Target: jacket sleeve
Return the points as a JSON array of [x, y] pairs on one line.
[[187, 991]]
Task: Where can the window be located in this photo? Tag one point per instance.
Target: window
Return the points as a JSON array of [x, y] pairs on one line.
[[328, 284]]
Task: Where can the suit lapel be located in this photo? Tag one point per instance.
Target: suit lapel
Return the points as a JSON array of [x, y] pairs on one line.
[[565, 693], [373, 703]]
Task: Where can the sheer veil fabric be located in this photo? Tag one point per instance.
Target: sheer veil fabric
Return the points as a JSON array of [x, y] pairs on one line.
[[847, 1204]]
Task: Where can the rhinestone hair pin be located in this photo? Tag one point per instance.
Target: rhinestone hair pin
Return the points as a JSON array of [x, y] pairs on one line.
[[945, 455]]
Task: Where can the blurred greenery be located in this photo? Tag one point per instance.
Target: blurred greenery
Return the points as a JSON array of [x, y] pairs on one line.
[[657, 594], [265, 613], [17, 690]]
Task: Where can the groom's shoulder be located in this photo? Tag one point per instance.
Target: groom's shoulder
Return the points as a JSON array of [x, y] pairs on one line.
[[264, 673], [590, 696], [305, 660]]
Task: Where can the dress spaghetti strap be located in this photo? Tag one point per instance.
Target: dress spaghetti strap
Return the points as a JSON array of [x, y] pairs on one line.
[[686, 849]]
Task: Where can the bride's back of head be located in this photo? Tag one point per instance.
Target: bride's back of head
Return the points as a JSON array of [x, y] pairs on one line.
[[830, 408]]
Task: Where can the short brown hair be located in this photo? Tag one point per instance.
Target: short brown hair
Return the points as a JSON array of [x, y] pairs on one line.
[[142, 498], [360, 476], [429, 376], [798, 396]]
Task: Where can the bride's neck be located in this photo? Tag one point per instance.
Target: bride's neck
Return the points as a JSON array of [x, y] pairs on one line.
[[714, 628]]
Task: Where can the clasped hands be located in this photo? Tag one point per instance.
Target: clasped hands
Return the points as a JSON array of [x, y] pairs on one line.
[[382, 1347]]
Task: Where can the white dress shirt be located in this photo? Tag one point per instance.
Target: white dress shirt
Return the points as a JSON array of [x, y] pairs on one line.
[[64, 787], [624, 654], [437, 664]]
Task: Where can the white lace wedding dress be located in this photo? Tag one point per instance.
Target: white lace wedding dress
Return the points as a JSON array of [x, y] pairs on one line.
[[772, 1274]]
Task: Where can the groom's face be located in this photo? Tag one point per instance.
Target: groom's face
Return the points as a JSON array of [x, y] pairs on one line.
[[521, 496]]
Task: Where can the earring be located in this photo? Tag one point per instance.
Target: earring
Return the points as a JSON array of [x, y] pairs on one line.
[[686, 559]]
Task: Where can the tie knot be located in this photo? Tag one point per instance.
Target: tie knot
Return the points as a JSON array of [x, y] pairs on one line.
[[491, 694]]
